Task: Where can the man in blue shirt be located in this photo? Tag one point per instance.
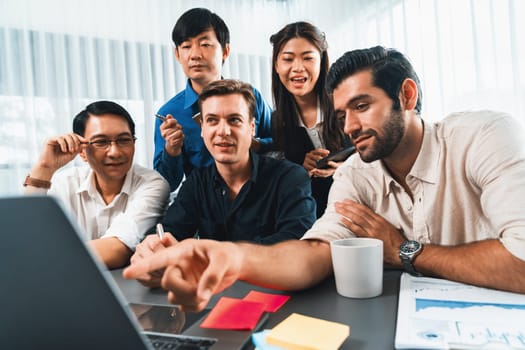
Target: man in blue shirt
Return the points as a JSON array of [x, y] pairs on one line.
[[242, 196], [202, 44]]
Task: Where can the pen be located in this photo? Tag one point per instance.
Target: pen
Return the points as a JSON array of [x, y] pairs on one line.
[[197, 118], [161, 117], [160, 230]]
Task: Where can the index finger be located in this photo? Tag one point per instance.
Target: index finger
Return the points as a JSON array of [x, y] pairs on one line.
[[159, 260], [69, 143], [170, 120]]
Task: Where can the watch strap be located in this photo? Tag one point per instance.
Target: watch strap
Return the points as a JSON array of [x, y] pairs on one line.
[[31, 181], [409, 267]]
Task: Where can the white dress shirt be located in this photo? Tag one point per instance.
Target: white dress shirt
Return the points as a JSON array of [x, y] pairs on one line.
[[139, 205], [316, 131]]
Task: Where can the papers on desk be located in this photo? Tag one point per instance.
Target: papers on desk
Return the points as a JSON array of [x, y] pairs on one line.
[[440, 314]]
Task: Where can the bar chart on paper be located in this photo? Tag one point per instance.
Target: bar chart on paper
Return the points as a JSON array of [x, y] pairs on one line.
[[440, 314]]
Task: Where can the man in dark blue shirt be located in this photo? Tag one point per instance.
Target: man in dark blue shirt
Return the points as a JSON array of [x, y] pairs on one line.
[[202, 44], [242, 196]]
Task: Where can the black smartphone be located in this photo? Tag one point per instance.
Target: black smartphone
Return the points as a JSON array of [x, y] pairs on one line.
[[338, 156], [164, 318]]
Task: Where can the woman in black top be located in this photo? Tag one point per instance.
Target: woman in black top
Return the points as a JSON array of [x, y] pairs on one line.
[[304, 126]]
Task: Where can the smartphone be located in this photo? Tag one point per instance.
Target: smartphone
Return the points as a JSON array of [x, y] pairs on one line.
[[159, 318], [165, 318], [338, 156]]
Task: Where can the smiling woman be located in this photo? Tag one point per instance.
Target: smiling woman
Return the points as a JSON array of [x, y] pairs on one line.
[[305, 127]]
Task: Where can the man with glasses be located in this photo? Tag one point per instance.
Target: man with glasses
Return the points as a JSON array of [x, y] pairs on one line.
[[114, 200]]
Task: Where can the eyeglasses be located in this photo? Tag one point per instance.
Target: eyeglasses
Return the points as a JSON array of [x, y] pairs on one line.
[[123, 142]]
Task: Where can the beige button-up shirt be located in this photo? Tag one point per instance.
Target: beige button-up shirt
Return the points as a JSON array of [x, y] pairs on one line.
[[468, 184]]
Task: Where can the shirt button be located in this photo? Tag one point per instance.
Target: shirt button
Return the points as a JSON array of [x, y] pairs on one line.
[[223, 192]]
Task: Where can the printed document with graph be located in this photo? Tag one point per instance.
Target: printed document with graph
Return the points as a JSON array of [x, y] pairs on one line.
[[440, 314]]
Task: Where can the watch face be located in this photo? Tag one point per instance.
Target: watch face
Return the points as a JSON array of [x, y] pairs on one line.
[[409, 247]]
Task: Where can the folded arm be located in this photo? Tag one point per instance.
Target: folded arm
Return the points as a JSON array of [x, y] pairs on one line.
[[485, 263]]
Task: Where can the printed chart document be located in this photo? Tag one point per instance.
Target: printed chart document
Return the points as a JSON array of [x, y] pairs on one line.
[[440, 314]]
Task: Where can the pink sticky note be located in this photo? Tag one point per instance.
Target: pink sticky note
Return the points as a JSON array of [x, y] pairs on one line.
[[272, 302], [231, 313]]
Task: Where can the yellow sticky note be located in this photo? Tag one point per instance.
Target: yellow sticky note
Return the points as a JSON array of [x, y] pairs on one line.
[[299, 332]]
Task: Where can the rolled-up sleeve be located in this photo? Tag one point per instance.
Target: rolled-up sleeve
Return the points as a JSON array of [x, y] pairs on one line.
[[499, 168], [146, 204], [329, 227]]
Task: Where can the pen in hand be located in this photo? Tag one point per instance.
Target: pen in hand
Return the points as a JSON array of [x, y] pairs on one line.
[[160, 230], [161, 117]]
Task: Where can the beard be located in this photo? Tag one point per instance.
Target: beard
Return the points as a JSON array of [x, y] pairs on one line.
[[393, 131]]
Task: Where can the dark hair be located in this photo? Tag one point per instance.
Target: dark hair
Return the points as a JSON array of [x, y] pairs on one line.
[[197, 20], [99, 108], [286, 114], [389, 69], [228, 87]]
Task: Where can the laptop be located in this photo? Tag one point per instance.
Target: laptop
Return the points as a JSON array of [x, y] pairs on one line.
[[54, 294]]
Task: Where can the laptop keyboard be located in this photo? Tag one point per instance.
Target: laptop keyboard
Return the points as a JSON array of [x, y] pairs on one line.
[[180, 342]]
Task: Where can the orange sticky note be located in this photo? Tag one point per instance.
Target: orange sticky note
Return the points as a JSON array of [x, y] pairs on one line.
[[300, 332], [235, 314], [272, 302]]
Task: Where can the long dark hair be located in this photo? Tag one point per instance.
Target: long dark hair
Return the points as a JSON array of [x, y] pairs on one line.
[[286, 114]]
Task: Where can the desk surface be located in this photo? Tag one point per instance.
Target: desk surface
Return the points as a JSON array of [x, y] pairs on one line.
[[372, 321]]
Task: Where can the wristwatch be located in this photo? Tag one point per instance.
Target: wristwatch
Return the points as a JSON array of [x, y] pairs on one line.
[[408, 252]]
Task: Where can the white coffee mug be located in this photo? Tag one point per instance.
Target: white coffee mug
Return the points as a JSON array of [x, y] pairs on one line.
[[358, 266]]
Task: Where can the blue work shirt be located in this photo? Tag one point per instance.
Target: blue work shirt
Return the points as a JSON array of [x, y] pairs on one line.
[[274, 205], [183, 107]]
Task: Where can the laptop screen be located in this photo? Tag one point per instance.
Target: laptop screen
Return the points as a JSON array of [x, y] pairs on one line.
[[54, 293]]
